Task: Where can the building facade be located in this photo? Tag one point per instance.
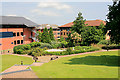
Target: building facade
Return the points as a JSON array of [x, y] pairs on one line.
[[15, 31], [56, 30], [65, 29]]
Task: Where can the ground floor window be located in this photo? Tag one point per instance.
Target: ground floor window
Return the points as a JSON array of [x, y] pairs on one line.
[[14, 42], [21, 41], [18, 41]]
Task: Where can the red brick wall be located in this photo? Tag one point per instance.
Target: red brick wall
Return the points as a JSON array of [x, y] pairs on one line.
[[7, 42]]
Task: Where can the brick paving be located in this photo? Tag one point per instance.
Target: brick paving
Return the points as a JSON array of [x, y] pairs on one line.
[[24, 74]]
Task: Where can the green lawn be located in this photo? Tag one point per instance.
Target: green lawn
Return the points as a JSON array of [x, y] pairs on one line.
[[94, 65], [10, 60]]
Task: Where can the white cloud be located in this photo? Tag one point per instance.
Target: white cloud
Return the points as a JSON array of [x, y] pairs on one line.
[[45, 13], [51, 8], [11, 15], [55, 5]]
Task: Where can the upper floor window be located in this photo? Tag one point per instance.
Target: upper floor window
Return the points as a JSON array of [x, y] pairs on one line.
[[14, 34], [58, 33], [21, 33], [18, 34], [61, 33]]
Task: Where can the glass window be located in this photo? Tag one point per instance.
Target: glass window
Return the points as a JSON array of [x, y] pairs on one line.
[[18, 41], [14, 42], [18, 34], [61, 33], [58, 33], [64, 33], [21, 33], [14, 34], [21, 41]]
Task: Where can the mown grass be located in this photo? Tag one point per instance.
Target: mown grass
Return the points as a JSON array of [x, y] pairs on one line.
[[10, 60], [94, 65]]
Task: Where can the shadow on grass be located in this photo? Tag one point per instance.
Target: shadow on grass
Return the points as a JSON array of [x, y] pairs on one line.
[[105, 60]]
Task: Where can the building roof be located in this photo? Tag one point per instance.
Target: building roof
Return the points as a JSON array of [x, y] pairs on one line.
[[42, 26], [88, 23], [14, 20]]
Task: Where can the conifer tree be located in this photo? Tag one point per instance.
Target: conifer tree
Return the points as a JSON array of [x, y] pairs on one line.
[[78, 23], [51, 34], [45, 36]]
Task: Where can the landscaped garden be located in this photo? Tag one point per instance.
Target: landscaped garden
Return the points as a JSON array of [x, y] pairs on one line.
[[93, 65], [10, 60]]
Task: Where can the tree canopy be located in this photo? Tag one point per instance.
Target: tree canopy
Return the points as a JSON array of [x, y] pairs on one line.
[[51, 34], [78, 23], [45, 36], [113, 22]]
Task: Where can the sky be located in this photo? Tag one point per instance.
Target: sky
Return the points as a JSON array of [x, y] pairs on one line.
[[58, 13]]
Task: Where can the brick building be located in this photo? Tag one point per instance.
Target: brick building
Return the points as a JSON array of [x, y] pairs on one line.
[[15, 31], [56, 30], [65, 29]]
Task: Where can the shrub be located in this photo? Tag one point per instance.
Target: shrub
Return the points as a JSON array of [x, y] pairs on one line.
[[20, 48], [111, 47], [43, 45], [79, 49], [55, 44], [64, 43], [35, 44]]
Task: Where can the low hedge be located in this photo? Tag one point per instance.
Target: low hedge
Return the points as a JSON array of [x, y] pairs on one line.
[[111, 47], [70, 51]]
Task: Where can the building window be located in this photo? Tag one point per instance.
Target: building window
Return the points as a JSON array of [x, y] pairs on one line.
[[67, 33], [61, 33], [18, 34], [21, 33], [14, 42], [64, 33], [14, 34], [58, 37], [58, 33], [18, 41], [21, 41]]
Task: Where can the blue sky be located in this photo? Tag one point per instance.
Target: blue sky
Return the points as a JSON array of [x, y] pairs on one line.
[[56, 12]]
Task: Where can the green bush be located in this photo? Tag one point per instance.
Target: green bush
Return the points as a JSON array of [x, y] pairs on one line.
[[111, 47], [43, 45], [55, 44], [78, 49], [21, 48], [35, 44]]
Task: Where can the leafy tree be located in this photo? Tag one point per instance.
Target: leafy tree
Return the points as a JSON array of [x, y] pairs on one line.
[[51, 34], [91, 35], [39, 36], [78, 23], [70, 41], [113, 22], [61, 39], [45, 36]]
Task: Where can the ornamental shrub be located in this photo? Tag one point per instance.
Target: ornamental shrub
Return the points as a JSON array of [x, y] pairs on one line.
[[43, 45], [35, 44]]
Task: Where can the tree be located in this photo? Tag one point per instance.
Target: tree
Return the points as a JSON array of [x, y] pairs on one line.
[[91, 35], [113, 22], [39, 36], [78, 23], [61, 39], [51, 34], [45, 36]]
